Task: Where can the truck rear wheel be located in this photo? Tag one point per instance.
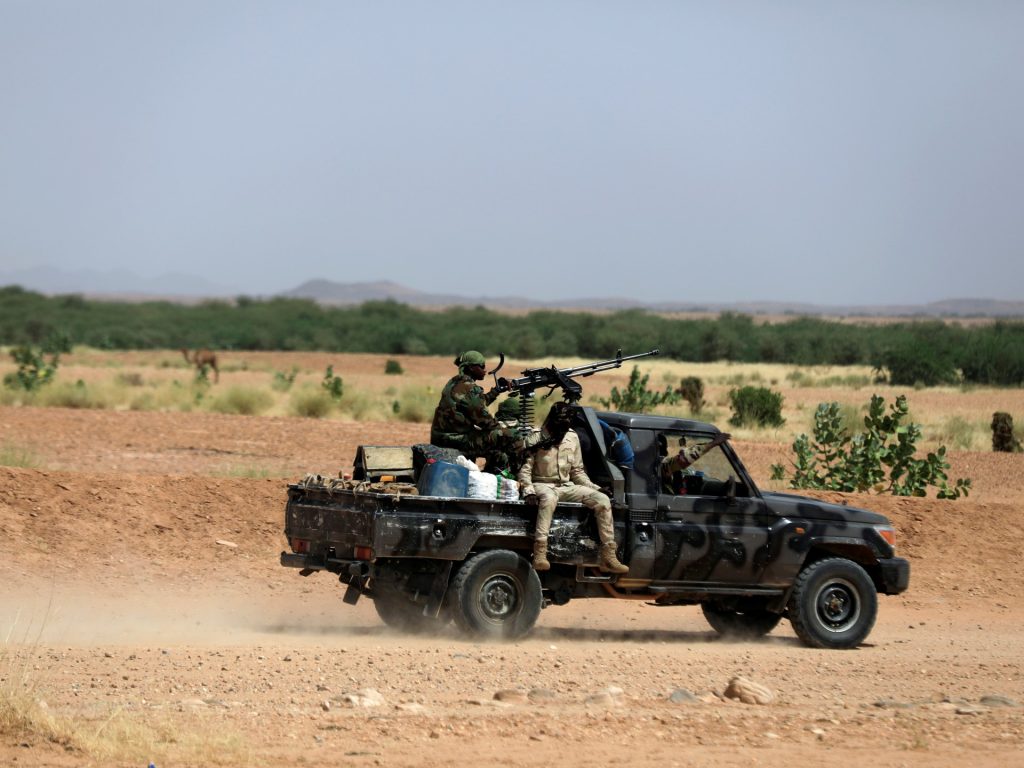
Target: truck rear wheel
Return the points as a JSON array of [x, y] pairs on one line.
[[833, 605], [740, 622], [396, 609], [495, 595]]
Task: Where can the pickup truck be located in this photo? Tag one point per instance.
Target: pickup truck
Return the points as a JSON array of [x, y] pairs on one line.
[[748, 557]]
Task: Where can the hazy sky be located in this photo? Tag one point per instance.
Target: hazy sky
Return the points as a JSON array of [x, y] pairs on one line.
[[834, 152]]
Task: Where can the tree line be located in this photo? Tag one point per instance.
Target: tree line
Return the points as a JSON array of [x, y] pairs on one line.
[[927, 352]]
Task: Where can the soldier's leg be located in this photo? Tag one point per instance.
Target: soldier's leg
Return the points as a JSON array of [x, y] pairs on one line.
[[602, 508], [547, 500]]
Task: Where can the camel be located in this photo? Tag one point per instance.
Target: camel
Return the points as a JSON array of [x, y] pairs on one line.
[[201, 358]]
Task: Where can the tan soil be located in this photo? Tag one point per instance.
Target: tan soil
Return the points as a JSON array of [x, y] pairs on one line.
[[138, 581]]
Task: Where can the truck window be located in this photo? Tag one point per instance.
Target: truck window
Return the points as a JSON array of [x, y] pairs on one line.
[[690, 465]]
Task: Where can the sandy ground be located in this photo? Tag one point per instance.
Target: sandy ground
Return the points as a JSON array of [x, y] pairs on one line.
[[141, 586]]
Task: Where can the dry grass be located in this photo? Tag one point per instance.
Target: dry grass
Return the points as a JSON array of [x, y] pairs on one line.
[[16, 455], [249, 383]]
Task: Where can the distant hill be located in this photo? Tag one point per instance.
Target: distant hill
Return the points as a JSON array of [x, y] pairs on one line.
[[332, 293], [120, 285]]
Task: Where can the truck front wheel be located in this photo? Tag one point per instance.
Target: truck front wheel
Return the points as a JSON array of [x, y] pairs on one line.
[[495, 595], [833, 605]]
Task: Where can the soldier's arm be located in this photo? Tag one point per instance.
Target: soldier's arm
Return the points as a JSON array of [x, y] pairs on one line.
[[473, 405], [525, 476]]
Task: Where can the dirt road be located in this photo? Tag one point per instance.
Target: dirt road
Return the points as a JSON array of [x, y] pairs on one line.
[[142, 601]]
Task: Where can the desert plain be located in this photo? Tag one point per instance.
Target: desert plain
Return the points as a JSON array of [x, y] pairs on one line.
[[146, 619]]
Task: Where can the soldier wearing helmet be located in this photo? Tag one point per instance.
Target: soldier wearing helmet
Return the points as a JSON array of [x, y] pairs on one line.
[[461, 419], [508, 412]]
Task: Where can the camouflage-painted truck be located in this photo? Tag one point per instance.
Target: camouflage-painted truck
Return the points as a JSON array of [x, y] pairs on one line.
[[749, 558]]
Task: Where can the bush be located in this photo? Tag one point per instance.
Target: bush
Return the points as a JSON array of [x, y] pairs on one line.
[[33, 369], [393, 368], [311, 403], [881, 458], [691, 389], [637, 398], [283, 381], [246, 401], [1003, 438], [77, 395], [333, 385], [916, 363], [756, 406], [417, 406]]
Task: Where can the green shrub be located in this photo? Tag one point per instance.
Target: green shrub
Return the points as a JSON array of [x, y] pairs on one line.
[[333, 385], [34, 370], [245, 401], [756, 406], [691, 389], [914, 363], [393, 368], [637, 398], [283, 381], [882, 457], [311, 403]]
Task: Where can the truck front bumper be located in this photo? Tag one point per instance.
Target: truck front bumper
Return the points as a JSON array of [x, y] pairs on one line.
[[894, 575]]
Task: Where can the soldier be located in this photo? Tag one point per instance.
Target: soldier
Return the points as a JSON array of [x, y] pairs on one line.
[[508, 412], [552, 472], [673, 467], [461, 419]]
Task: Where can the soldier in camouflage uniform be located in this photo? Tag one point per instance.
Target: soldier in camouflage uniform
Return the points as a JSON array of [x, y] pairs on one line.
[[674, 467], [508, 412], [462, 421], [553, 472]]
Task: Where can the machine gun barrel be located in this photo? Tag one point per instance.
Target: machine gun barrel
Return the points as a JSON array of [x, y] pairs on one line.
[[538, 378]]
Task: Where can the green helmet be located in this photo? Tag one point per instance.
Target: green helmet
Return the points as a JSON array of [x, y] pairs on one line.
[[471, 357], [508, 409]]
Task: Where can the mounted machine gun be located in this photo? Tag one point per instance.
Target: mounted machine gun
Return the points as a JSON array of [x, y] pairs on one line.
[[553, 378]]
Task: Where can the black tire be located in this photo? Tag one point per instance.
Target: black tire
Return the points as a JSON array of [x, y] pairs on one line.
[[833, 605], [398, 611], [741, 622], [495, 595]]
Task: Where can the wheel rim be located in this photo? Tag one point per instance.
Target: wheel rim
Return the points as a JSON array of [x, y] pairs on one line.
[[838, 606], [499, 597]]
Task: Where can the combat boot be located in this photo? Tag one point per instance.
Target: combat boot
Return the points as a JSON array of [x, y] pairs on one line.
[[609, 563], [540, 555]]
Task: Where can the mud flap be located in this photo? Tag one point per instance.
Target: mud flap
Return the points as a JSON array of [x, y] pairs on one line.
[[438, 590]]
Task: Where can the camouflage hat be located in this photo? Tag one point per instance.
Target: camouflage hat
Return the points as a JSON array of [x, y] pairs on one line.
[[471, 357], [508, 408]]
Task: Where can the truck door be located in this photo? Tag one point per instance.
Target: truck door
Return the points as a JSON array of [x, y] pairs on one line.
[[711, 522]]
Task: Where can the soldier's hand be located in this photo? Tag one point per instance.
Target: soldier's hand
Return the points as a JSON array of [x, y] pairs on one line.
[[531, 499], [606, 491]]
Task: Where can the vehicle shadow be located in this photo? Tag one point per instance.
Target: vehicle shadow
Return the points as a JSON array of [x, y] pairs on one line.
[[543, 634], [579, 634]]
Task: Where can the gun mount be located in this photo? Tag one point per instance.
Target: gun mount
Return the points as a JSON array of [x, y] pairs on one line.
[[552, 378]]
